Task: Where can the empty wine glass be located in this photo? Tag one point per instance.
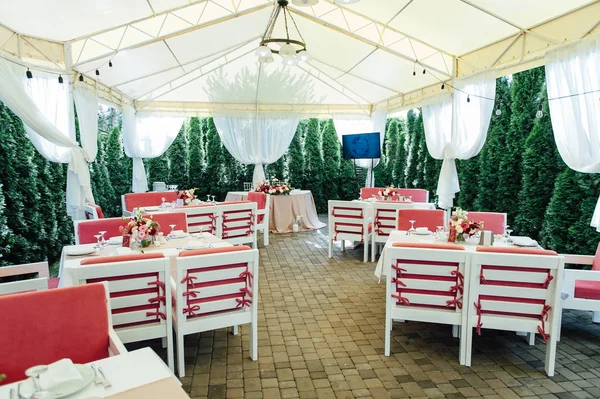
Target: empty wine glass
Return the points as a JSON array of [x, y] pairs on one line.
[[412, 227], [505, 235], [213, 198], [410, 198], [163, 202], [171, 235], [103, 242], [508, 238], [439, 232], [98, 245]]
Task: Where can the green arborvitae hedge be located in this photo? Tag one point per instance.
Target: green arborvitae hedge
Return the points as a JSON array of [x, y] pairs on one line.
[[331, 160]]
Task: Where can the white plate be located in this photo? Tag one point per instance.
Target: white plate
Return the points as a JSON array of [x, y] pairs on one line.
[[151, 208], [80, 250], [67, 388], [423, 233]]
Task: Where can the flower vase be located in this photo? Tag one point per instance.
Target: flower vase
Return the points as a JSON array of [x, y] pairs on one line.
[[452, 235], [460, 237]]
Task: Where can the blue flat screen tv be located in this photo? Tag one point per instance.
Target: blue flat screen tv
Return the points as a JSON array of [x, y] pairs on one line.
[[361, 146]]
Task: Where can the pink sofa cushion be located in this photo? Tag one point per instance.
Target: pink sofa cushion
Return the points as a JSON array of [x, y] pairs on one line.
[[491, 220], [417, 194], [369, 192], [164, 219], [134, 200], [430, 218], [423, 245], [212, 251], [45, 326], [518, 251], [587, 289], [596, 262], [121, 258], [86, 229], [261, 202]]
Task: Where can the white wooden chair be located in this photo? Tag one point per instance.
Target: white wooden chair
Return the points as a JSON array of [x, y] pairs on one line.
[[385, 219], [42, 281], [140, 291], [238, 222], [263, 213], [515, 289], [425, 282], [581, 288], [93, 211], [215, 288], [348, 221], [203, 219]]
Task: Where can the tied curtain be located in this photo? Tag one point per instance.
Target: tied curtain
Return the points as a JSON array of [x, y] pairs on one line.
[[355, 124], [573, 81], [146, 136], [256, 138], [45, 107], [456, 128]]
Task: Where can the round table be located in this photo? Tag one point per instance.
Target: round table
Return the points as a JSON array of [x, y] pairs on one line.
[[285, 209]]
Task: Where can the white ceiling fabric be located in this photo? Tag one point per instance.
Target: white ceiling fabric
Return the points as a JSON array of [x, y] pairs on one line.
[[168, 55]]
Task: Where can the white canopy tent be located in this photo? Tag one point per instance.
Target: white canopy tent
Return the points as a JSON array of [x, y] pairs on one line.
[[166, 53]]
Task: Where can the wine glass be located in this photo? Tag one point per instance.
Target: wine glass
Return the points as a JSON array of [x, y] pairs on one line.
[[412, 227], [508, 238], [171, 235], [410, 198], [98, 245], [439, 232], [505, 235], [103, 242], [213, 198], [207, 197], [163, 202]]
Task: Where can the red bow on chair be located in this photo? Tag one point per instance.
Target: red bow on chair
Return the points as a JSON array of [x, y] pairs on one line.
[[454, 302], [401, 299], [243, 302], [191, 309], [157, 314], [544, 318], [248, 276], [188, 279], [479, 323]]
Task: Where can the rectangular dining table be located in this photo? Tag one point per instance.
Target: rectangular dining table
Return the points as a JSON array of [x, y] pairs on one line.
[[129, 372], [69, 265]]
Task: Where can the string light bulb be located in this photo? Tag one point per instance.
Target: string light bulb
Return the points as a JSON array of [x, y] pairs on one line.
[[424, 71], [110, 63], [97, 72], [81, 77], [60, 79], [443, 85], [414, 70], [28, 74], [539, 112], [468, 98]]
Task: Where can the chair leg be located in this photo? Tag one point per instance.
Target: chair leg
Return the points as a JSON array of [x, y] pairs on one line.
[[343, 245], [468, 345], [164, 342], [366, 251], [170, 351], [455, 331], [266, 234], [596, 317], [180, 356], [559, 326], [253, 340], [373, 248], [388, 335], [531, 338], [330, 248], [550, 355], [461, 346], [236, 330]]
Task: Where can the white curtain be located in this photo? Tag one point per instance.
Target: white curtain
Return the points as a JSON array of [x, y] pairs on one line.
[[456, 128], [256, 139], [146, 136], [45, 107], [571, 71], [86, 102], [355, 124]]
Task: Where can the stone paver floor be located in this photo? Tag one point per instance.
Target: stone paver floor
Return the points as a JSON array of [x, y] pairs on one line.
[[321, 326]]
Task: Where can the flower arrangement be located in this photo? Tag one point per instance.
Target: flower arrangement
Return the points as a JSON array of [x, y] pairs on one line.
[[387, 192], [142, 229], [274, 188], [461, 226], [187, 196]]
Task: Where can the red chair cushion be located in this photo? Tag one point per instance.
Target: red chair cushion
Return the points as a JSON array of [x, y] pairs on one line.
[[587, 289], [261, 202], [491, 220], [134, 200], [369, 192], [515, 250], [430, 218], [210, 251], [86, 229], [164, 219], [53, 283], [234, 202], [121, 258], [417, 194], [596, 262], [45, 326], [99, 211], [428, 246]]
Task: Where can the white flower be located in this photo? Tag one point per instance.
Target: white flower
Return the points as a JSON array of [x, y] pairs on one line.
[[459, 229]]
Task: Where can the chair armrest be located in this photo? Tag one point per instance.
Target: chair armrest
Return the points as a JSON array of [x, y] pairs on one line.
[[115, 346], [578, 259], [260, 212], [586, 275]]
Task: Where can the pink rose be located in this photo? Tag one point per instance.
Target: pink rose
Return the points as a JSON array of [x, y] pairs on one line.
[[142, 235], [142, 228]]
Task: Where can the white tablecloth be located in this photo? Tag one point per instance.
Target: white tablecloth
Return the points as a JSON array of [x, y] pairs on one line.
[[285, 209], [69, 265], [400, 236], [126, 371]]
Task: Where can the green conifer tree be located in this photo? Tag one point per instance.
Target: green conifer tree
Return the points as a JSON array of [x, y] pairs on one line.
[[423, 157], [119, 170], [277, 168], [5, 232], [331, 161], [400, 160], [583, 238], [158, 169], [234, 173], [349, 189], [314, 164], [179, 172], [541, 164], [296, 157], [214, 159], [196, 156], [525, 90], [412, 146], [493, 151], [390, 149]]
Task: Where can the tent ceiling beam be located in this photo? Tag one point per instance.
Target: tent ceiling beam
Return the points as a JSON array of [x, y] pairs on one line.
[[160, 38], [508, 48], [367, 41], [351, 11], [223, 52], [594, 26]]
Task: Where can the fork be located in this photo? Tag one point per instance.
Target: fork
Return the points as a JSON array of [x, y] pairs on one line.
[[105, 382]]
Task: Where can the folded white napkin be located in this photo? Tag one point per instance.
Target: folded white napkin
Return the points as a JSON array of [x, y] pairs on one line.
[[524, 242], [422, 230], [200, 244], [179, 233], [59, 373]]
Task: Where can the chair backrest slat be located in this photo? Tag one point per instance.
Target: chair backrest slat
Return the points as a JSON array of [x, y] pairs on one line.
[[85, 230], [238, 222], [430, 218], [348, 220], [154, 198], [35, 284], [494, 221]]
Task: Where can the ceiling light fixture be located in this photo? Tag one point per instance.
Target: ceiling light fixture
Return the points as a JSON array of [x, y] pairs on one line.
[[305, 3], [292, 50]]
